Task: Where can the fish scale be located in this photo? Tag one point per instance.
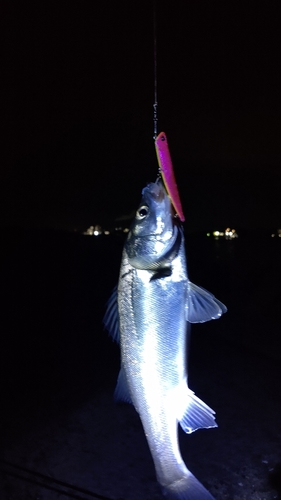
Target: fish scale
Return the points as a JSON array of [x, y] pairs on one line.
[[155, 373], [150, 311]]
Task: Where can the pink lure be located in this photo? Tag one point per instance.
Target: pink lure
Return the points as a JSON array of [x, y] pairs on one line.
[[167, 172]]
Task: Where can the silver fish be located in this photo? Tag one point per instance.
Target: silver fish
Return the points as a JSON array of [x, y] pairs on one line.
[[155, 302]]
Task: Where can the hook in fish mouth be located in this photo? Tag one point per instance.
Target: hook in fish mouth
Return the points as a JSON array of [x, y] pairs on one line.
[[156, 190], [161, 194]]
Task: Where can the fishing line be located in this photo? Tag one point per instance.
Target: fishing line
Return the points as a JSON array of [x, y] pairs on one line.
[[155, 117], [165, 170], [47, 482]]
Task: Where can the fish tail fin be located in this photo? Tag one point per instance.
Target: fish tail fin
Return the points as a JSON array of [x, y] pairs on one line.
[[186, 488], [197, 415]]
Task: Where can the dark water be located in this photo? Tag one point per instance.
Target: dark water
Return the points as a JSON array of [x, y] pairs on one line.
[[246, 275], [54, 288]]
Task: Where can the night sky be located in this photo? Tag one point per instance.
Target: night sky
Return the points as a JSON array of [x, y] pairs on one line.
[[77, 107]]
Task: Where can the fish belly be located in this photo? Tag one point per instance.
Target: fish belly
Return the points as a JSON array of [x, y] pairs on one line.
[[153, 355]]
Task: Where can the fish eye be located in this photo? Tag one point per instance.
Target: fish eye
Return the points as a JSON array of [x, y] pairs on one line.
[[142, 212]]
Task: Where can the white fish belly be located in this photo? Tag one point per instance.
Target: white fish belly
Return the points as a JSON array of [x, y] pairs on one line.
[[153, 353]]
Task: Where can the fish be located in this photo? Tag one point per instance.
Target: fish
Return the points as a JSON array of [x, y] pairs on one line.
[[148, 314]]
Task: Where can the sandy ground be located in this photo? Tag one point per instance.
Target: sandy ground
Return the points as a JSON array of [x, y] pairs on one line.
[[62, 436]]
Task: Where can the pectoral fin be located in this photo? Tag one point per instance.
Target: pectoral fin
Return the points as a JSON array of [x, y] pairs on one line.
[[111, 317], [202, 305]]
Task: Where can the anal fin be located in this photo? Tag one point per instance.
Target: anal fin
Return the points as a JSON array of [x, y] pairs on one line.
[[197, 415]]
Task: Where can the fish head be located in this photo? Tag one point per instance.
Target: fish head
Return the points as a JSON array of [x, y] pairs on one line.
[[154, 231]]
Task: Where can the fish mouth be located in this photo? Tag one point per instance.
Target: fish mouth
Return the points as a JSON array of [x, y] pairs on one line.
[[156, 190], [156, 198]]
